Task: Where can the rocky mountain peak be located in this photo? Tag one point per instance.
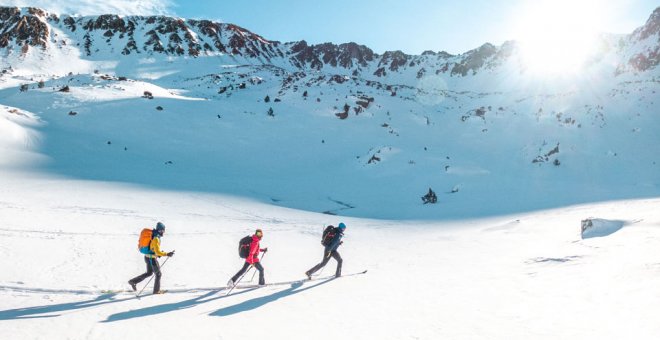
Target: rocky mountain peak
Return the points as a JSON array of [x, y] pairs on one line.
[[652, 26], [474, 59], [346, 55], [113, 35], [25, 27], [648, 39]]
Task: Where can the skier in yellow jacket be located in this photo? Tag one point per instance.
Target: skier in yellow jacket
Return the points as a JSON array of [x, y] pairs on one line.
[[151, 260]]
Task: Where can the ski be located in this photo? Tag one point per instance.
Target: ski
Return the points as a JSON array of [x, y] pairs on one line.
[[297, 281], [122, 291], [115, 291], [161, 292], [239, 286]]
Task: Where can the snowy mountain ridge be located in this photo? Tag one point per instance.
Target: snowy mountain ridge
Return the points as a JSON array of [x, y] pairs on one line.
[[26, 28]]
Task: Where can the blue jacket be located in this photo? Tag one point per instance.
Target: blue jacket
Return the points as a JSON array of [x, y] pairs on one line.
[[335, 242]]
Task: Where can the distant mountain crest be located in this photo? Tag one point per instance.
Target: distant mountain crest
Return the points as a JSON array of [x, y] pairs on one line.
[[25, 28]]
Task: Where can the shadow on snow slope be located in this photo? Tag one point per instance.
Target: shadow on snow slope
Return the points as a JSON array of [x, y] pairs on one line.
[[51, 311], [170, 307], [255, 303], [208, 297]]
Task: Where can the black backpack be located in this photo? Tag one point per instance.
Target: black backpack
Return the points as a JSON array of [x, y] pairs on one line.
[[244, 246], [328, 235]]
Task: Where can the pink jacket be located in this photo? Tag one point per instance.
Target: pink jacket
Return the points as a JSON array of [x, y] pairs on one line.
[[253, 256]]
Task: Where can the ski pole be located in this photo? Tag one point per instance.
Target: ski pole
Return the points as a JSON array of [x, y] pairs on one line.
[[239, 280], [261, 258], [152, 276], [323, 268]]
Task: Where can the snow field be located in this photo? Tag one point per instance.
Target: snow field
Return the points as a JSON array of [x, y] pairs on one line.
[[506, 277]]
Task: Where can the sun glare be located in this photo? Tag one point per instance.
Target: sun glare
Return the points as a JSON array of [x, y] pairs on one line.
[[556, 37]]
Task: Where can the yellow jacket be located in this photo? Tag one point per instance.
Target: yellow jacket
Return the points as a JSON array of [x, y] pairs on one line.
[[154, 246]]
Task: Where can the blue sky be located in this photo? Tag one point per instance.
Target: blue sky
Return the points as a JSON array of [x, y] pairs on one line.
[[411, 26]]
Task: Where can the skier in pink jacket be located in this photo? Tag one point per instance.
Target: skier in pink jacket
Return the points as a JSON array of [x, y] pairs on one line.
[[252, 260]]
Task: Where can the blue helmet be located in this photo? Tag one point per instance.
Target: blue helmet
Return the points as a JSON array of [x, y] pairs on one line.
[[341, 226], [160, 228]]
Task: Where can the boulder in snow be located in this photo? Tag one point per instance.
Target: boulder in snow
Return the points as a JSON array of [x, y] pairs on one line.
[[597, 227]]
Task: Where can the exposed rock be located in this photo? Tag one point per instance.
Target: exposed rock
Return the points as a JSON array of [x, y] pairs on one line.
[[394, 60], [643, 62], [652, 26], [546, 157], [23, 30], [338, 79], [364, 101], [345, 55], [479, 112], [598, 227], [473, 60], [373, 159]]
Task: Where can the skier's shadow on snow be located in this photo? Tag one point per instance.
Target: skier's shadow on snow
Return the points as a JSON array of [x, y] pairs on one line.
[[51, 311], [170, 307], [260, 301]]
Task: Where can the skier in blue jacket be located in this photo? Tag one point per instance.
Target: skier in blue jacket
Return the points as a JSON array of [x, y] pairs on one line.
[[331, 244]]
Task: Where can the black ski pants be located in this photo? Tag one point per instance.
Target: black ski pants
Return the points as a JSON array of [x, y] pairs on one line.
[[152, 267], [246, 266], [326, 257]]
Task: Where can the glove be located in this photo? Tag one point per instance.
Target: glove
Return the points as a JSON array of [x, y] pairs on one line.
[[170, 254], [265, 249], [341, 242]]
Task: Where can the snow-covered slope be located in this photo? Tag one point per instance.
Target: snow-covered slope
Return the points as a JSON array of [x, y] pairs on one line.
[[250, 117], [513, 277]]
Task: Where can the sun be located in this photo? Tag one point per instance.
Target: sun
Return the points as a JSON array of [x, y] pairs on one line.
[[557, 37]]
